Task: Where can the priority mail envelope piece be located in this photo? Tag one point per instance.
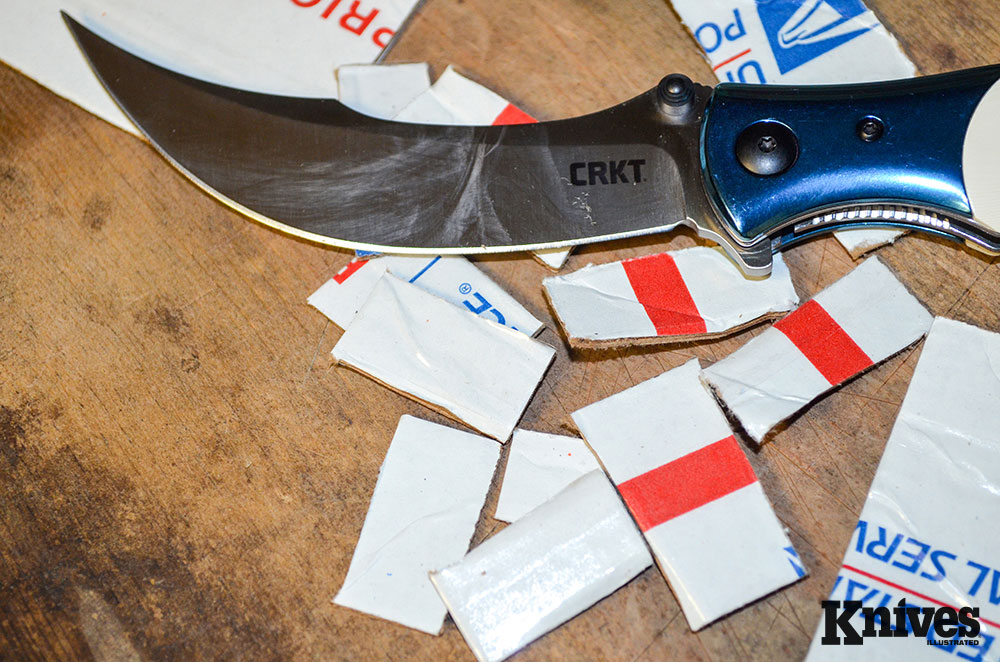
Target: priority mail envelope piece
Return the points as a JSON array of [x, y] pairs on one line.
[[459, 100], [667, 446], [381, 90], [288, 48], [539, 466], [928, 532], [695, 292], [455, 99], [862, 319], [810, 42], [452, 278], [470, 368], [430, 491], [543, 569]]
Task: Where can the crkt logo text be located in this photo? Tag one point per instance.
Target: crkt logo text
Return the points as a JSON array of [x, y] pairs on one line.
[[589, 173], [946, 624]]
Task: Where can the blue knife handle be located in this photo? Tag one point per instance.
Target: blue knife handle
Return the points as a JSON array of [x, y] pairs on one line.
[[882, 154]]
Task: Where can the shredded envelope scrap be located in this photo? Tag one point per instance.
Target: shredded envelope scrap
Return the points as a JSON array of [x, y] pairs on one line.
[[679, 296], [539, 465], [542, 570], [693, 493], [859, 321], [430, 490], [452, 278], [928, 533], [469, 368]]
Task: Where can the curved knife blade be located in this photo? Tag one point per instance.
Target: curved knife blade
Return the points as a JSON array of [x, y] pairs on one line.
[[318, 170]]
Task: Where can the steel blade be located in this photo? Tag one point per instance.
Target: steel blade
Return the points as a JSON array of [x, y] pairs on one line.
[[318, 170]]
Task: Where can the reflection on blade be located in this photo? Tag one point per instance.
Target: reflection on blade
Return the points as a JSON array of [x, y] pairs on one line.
[[319, 170]]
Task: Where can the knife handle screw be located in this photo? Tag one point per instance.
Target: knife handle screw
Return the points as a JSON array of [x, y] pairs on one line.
[[767, 144], [767, 147], [870, 128]]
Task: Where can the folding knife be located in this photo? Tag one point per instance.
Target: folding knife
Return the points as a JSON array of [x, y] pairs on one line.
[[754, 168]]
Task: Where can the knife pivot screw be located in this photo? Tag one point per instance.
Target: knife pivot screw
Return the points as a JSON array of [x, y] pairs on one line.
[[767, 148], [675, 90], [870, 128]]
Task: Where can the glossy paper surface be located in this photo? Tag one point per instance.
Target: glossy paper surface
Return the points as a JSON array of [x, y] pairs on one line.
[[475, 370], [862, 319], [539, 466], [682, 294], [669, 449], [543, 569], [928, 532], [452, 278], [427, 500]]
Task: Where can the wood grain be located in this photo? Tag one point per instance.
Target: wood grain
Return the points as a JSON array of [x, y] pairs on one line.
[[183, 474]]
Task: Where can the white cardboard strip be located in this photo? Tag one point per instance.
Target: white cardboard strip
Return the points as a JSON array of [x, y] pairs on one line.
[[289, 48], [543, 569], [692, 292], [430, 491], [667, 446], [473, 369], [798, 42], [455, 99], [381, 90], [539, 466], [859, 321], [449, 277], [928, 532]]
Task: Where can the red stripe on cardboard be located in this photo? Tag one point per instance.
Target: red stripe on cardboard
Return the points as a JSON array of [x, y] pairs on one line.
[[660, 288], [511, 114], [346, 272], [687, 483], [824, 342]]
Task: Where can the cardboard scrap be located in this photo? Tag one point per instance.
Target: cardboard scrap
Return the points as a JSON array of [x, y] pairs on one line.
[[381, 90], [467, 367], [859, 321], [667, 446], [539, 466], [223, 41], [455, 99], [928, 533], [449, 277], [430, 491], [692, 293], [543, 569], [805, 42]]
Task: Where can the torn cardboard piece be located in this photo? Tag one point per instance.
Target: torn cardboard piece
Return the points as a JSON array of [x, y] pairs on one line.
[[430, 491], [805, 42], [381, 90], [449, 277], [692, 293], [539, 466], [927, 533], [859, 321], [543, 569], [464, 366], [223, 41], [667, 446], [455, 99]]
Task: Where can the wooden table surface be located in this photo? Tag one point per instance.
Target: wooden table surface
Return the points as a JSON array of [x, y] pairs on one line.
[[183, 474]]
